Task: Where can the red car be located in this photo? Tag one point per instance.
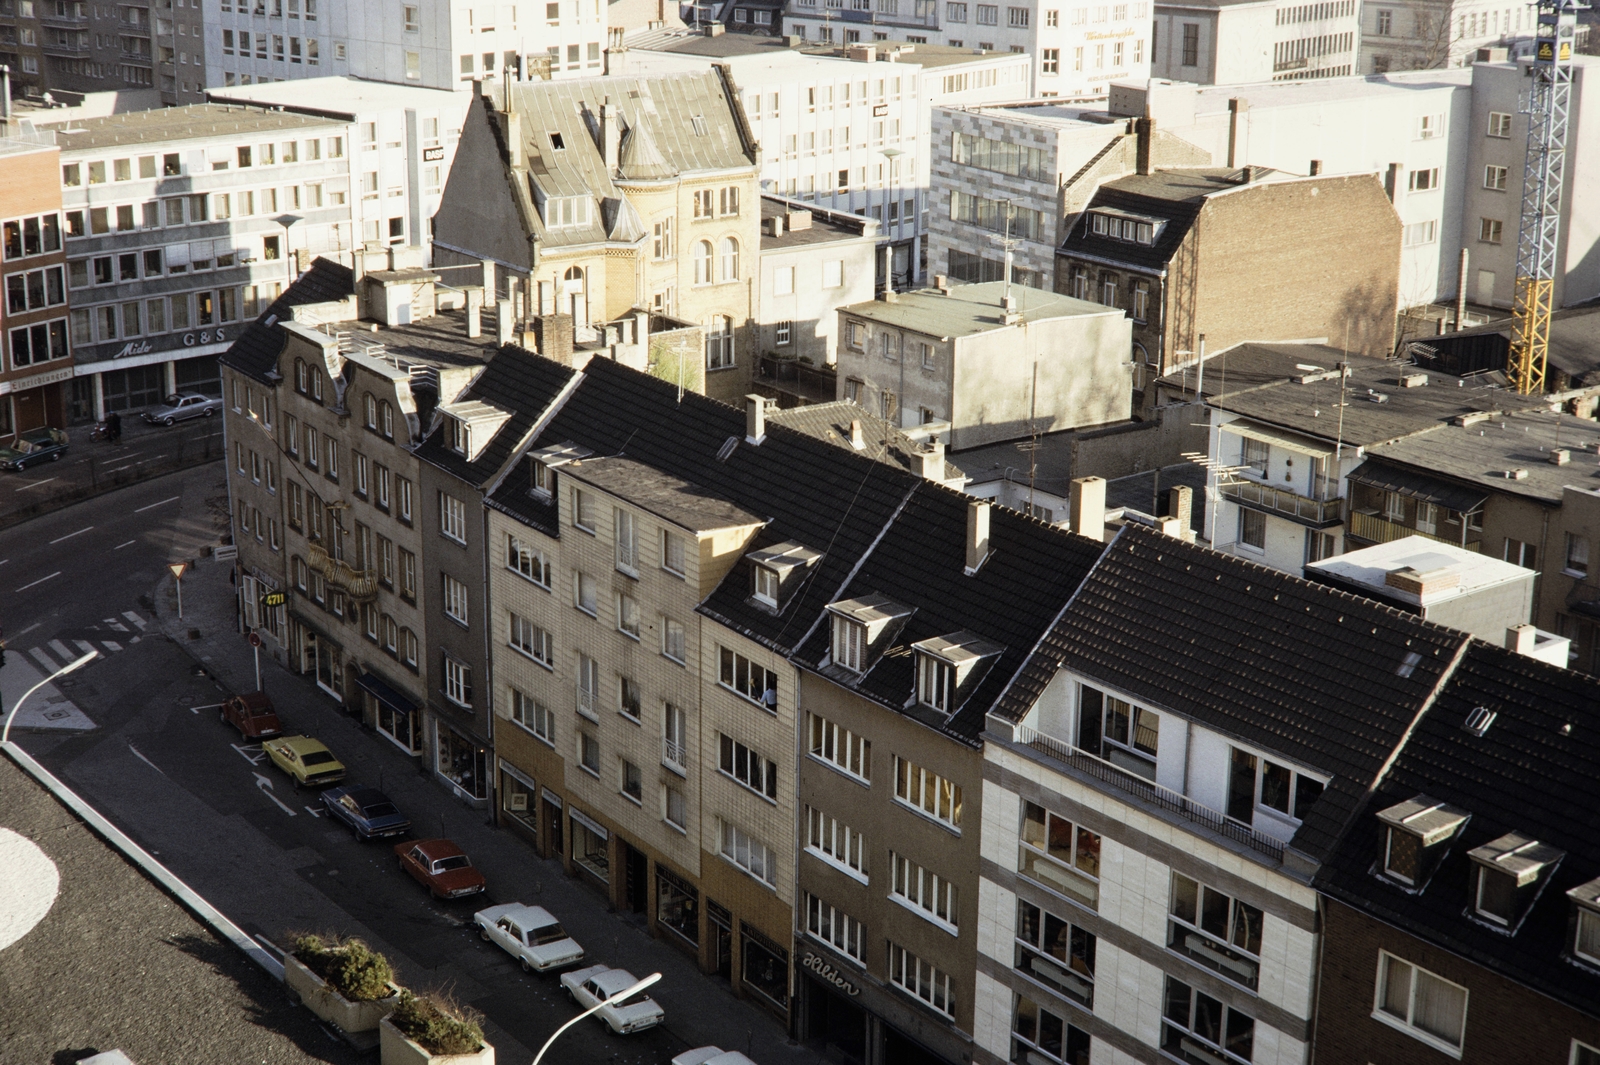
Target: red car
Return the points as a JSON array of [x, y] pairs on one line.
[[441, 867], [252, 714]]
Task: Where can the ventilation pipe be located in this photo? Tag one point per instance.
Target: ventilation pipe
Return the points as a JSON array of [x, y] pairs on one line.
[[1461, 293], [755, 418], [1088, 504], [488, 282]]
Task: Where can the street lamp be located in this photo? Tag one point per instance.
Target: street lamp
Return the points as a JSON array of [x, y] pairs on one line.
[[5, 734], [287, 220], [623, 996], [892, 154]]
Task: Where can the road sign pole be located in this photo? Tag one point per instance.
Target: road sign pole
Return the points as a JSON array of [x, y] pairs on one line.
[[255, 645], [178, 570], [180, 598]]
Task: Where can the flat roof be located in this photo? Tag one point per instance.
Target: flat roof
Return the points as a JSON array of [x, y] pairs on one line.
[[191, 123], [1482, 453], [827, 226], [1369, 567], [340, 96], [687, 42], [971, 309]]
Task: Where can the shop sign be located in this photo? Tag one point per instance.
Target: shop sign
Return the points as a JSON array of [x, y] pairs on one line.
[[38, 380], [432, 155], [171, 342], [827, 972]]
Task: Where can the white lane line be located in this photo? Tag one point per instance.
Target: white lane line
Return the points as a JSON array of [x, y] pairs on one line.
[[3, 561], [152, 506], [87, 647], [136, 619], [50, 665], [69, 536], [118, 469], [36, 484], [63, 650], [41, 580], [143, 759], [112, 645], [119, 547], [115, 625], [27, 630]]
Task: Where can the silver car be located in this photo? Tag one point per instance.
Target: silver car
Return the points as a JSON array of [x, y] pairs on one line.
[[182, 407]]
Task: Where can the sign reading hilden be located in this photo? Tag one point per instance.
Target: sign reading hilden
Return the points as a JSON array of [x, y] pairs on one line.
[[827, 972]]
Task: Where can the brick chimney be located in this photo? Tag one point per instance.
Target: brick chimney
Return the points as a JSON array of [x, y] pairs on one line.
[[1144, 131], [755, 418], [554, 334], [977, 534], [1087, 502], [858, 439], [1180, 505]]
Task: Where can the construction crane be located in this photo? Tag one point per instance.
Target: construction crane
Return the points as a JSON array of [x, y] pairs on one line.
[[1549, 97]]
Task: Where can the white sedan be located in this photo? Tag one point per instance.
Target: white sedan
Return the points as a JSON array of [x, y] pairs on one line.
[[599, 984], [528, 933], [711, 1056]]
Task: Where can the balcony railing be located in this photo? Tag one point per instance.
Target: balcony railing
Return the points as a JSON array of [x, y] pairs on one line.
[[673, 755], [815, 384], [1369, 526], [1279, 500], [1149, 791]]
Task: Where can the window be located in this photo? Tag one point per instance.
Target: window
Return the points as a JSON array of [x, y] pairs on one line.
[[1198, 1028], [1050, 61], [1583, 1054], [927, 792], [1577, 563], [728, 201], [916, 977], [588, 687], [455, 599], [1056, 953], [1043, 1036], [1499, 124], [533, 715], [766, 580], [1261, 783], [748, 853], [1429, 127], [1060, 855], [583, 594], [730, 259], [662, 239], [1425, 180], [704, 273], [1587, 943], [1253, 529], [632, 785], [833, 273], [674, 733], [535, 642], [1385, 23], [1490, 230], [408, 574], [1215, 930], [589, 761], [919, 889], [673, 553], [583, 510], [936, 682], [741, 763], [457, 683], [452, 517], [836, 843], [836, 928], [674, 809], [849, 644], [749, 679], [840, 748], [528, 561], [1494, 177], [1418, 1002], [628, 615], [627, 542], [1191, 44]]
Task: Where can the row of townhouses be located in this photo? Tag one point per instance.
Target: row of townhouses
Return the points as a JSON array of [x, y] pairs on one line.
[[932, 780]]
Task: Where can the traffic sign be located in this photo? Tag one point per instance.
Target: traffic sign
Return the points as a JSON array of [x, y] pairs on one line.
[[255, 638], [178, 569], [273, 599]]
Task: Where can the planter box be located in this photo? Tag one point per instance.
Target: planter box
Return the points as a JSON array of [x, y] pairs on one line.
[[395, 1049], [331, 1006]]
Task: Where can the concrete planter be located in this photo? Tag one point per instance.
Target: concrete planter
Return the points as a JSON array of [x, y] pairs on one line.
[[395, 1049], [331, 1006]]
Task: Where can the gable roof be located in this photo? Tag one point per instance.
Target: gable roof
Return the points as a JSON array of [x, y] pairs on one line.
[[256, 352], [1524, 775]]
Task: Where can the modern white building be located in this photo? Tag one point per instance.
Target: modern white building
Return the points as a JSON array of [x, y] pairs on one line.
[[1418, 34], [847, 129], [402, 137], [435, 44], [1231, 42]]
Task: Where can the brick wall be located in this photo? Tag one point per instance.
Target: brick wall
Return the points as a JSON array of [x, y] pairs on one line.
[[1506, 1022]]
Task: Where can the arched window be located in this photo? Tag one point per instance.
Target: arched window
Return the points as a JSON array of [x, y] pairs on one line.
[[719, 342], [300, 376], [730, 259], [574, 273], [386, 413], [702, 263], [372, 411]]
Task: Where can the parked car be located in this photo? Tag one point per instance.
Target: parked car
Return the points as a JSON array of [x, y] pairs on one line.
[[711, 1056], [33, 447], [441, 867], [367, 810], [304, 759], [530, 934], [182, 407], [252, 714], [598, 983]]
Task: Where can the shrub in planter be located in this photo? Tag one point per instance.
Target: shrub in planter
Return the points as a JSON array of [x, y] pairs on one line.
[[437, 1025], [350, 967]]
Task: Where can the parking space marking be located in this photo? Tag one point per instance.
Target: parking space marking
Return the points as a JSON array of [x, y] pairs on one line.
[[245, 752]]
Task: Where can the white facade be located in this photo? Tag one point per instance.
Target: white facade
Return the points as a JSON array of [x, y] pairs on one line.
[[1214, 42], [1418, 34], [435, 44], [1076, 49]]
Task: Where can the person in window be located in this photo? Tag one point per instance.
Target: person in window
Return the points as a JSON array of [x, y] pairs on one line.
[[769, 699]]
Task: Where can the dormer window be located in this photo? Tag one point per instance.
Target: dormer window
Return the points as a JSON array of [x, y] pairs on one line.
[[849, 643], [936, 682], [470, 425], [541, 479], [1503, 871], [945, 663], [1119, 226], [561, 212], [543, 462], [1415, 834], [457, 436], [1586, 922], [859, 624], [766, 585], [778, 570]]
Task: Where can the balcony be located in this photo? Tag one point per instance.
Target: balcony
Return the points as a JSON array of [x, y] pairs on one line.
[[807, 383], [1317, 513], [66, 22], [674, 757], [360, 585], [1367, 525], [1149, 791]]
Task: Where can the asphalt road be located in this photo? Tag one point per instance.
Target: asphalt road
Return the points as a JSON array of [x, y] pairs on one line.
[[188, 788]]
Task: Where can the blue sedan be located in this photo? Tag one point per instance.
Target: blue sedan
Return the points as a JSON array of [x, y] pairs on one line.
[[367, 810]]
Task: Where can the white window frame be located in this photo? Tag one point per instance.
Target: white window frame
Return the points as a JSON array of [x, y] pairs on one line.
[[828, 924], [626, 526], [849, 644], [739, 849], [921, 981], [830, 840], [837, 747], [927, 793], [1406, 1024], [532, 641], [456, 682], [588, 687], [528, 562], [927, 894], [456, 603], [936, 682]]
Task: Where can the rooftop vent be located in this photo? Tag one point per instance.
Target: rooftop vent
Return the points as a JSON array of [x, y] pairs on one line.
[[1560, 456], [1420, 582], [1479, 720], [1413, 380], [1377, 397], [727, 448], [1518, 474]]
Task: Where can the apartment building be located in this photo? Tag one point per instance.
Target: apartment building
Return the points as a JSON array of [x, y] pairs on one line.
[[1149, 836], [72, 46], [1219, 42], [631, 197], [434, 44], [402, 141], [181, 226], [35, 354], [1187, 253], [1414, 35]]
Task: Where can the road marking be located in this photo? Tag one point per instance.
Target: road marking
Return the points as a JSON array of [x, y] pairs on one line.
[[313, 813], [115, 624], [88, 648], [3, 561], [50, 665], [244, 752], [69, 536], [143, 759], [40, 581], [36, 484], [266, 789], [118, 469], [112, 645], [27, 630], [152, 506], [119, 547], [136, 619], [61, 649]]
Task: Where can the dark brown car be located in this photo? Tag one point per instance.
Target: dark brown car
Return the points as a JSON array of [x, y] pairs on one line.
[[252, 715], [441, 867]]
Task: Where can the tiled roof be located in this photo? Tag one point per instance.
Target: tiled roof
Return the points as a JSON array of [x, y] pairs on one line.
[[831, 422], [256, 351], [515, 380], [1320, 676], [1524, 775], [1178, 214]]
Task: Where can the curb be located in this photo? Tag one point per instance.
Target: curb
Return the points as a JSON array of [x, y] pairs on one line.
[[82, 494], [190, 899]]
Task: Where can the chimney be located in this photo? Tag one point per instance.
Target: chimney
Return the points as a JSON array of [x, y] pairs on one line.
[[474, 309], [359, 259], [930, 461], [1316, 167], [1144, 131], [554, 333], [1560, 456], [977, 534], [858, 439], [1237, 106], [1521, 638], [714, 29], [1180, 505], [610, 133], [502, 322], [1423, 583], [888, 273], [1391, 182], [755, 418], [1087, 502], [941, 282], [773, 224], [488, 282], [514, 295], [511, 128]]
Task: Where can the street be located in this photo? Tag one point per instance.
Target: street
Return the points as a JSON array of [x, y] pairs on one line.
[[154, 758]]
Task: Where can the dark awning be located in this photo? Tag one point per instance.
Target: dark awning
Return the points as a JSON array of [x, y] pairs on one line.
[[1389, 478], [380, 690]]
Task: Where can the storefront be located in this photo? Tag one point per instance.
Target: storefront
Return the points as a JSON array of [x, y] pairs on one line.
[[764, 967], [463, 762], [519, 801], [591, 848], [678, 908], [396, 717], [34, 401], [317, 655], [856, 1018]]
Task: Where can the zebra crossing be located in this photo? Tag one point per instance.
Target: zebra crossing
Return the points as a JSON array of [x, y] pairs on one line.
[[110, 636]]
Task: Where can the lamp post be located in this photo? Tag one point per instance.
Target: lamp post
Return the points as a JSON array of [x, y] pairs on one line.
[[5, 734], [623, 995], [892, 154], [287, 220]]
